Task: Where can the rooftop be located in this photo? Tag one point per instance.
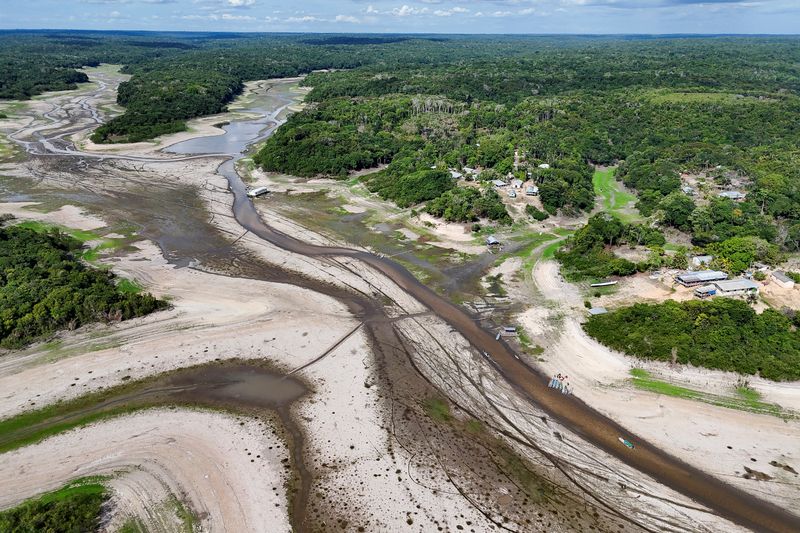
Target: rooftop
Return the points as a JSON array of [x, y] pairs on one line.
[[702, 275], [736, 285], [781, 276]]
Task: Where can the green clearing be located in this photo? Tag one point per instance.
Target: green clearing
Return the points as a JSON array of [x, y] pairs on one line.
[[613, 198], [691, 97], [84, 236], [43, 227], [75, 507], [532, 241], [746, 399], [129, 286]]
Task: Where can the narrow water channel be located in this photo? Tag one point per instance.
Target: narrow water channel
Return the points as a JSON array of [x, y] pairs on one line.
[[582, 419]]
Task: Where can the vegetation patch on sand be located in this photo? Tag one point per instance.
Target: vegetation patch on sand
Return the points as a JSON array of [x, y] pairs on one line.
[[722, 334], [76, 507], [745, 399], [606, 186], [45, 288]]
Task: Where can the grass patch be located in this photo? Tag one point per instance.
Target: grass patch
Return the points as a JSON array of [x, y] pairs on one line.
[[129, 286], [531, 240], [550, 250], [75, 507], [42, 227], [83, 236], [187, 518], [474, 426], [692, 97], [746, 399], [438, 409], [132, 525], [614, 199]]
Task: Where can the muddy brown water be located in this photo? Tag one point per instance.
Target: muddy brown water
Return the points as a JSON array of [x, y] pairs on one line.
[[587, 422], [726, 500]]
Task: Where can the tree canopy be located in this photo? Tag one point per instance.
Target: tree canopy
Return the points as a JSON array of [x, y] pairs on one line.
[[45, 288]]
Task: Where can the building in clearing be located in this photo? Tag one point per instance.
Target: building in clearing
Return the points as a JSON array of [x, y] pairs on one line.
[[532, 190], [689, 191], [491, 240], [732, 195], [499, 183], [691, 279], [706, 291], [456, 175], [594, 311], [516, 183], [782, 280], [736, 287]]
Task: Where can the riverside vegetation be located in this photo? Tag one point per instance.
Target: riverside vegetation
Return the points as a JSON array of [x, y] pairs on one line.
[[723, 333], [44, 287], [549, 109]]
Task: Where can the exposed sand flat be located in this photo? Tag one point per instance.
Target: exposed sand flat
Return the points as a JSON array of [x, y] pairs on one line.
[[69, 216], [699, 433], [213, 317], [198, 456], [366, 466], [464, 378]]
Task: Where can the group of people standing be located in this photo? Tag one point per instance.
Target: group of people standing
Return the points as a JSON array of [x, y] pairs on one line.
[[560, 382]]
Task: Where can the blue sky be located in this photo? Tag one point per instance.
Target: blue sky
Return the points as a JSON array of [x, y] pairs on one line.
[[439, 16]]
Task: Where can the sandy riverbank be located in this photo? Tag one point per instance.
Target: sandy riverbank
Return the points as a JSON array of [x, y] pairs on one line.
[[721, 441], [199, 457]]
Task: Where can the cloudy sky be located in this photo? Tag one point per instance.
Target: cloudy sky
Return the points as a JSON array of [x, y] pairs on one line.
[[440, 16]]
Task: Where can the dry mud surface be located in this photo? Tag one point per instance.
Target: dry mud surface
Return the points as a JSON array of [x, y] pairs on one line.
[[406, 426]]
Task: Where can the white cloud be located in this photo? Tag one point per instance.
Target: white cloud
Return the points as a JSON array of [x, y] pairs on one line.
[[305, 18], [450, 12], [347, 18], [240, 3], [407, 10], [228, 16]]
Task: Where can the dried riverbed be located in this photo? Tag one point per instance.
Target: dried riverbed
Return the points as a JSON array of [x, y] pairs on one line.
[[433, 433]]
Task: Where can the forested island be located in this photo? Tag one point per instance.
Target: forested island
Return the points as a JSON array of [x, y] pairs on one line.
[[44, 287]]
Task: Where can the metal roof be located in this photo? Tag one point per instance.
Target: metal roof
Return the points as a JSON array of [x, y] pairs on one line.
[[702, 275], [781, 276], [740, 284], [706, 289], [598, 311], [733, 195]]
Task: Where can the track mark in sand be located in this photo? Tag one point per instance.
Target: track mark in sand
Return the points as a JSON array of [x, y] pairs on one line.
[[328, 351]]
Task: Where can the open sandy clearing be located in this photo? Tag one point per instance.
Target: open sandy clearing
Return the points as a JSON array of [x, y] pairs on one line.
[[198, 456], [719, 440]]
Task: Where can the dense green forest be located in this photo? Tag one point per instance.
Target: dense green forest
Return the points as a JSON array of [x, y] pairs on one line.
[[723, 333], [720, 109], [45, 288], [74, 509]]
